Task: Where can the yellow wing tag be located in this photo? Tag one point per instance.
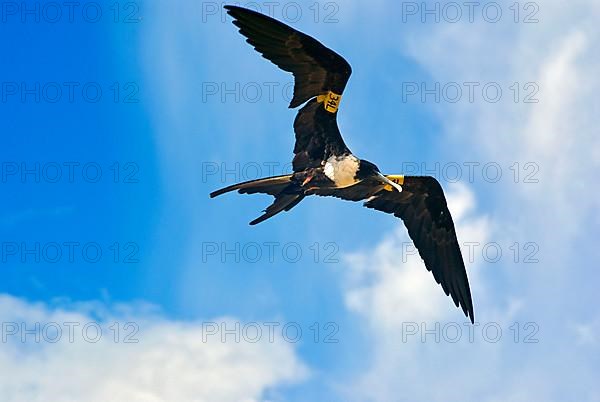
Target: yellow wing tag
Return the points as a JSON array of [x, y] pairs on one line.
[[398, 179], [331, 101]]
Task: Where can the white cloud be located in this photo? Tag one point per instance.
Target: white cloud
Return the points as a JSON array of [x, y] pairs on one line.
[[172, 361]]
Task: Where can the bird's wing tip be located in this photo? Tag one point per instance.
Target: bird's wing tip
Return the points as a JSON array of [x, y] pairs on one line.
[[470, 315]]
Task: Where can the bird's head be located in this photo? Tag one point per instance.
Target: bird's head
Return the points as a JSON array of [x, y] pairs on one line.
[[367, 169]]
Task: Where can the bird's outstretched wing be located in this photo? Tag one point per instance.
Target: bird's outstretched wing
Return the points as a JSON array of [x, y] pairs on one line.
[[320, 75], [422, 206]]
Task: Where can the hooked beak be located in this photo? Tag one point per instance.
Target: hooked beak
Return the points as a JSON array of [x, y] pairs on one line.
[[387, 181]]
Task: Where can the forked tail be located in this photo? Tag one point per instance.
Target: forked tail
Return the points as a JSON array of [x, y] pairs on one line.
[[286, 192]]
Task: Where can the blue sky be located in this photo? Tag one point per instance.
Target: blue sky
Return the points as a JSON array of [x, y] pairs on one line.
[[145, 154]]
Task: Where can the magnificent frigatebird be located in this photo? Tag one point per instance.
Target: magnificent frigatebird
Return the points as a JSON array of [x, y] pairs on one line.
[[323, 165]]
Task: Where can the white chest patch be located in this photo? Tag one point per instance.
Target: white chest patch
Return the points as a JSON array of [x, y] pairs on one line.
[[342, 170]]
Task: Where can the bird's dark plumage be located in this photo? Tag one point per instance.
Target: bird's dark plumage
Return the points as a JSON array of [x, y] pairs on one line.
[[422, 207], [317, 136], [323, 165], [317, 70]]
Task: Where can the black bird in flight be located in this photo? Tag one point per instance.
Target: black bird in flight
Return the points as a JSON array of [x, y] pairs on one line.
[[323, 165]]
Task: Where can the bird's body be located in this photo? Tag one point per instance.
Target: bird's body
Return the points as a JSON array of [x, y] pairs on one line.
[[342, 170], [323, 165]]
